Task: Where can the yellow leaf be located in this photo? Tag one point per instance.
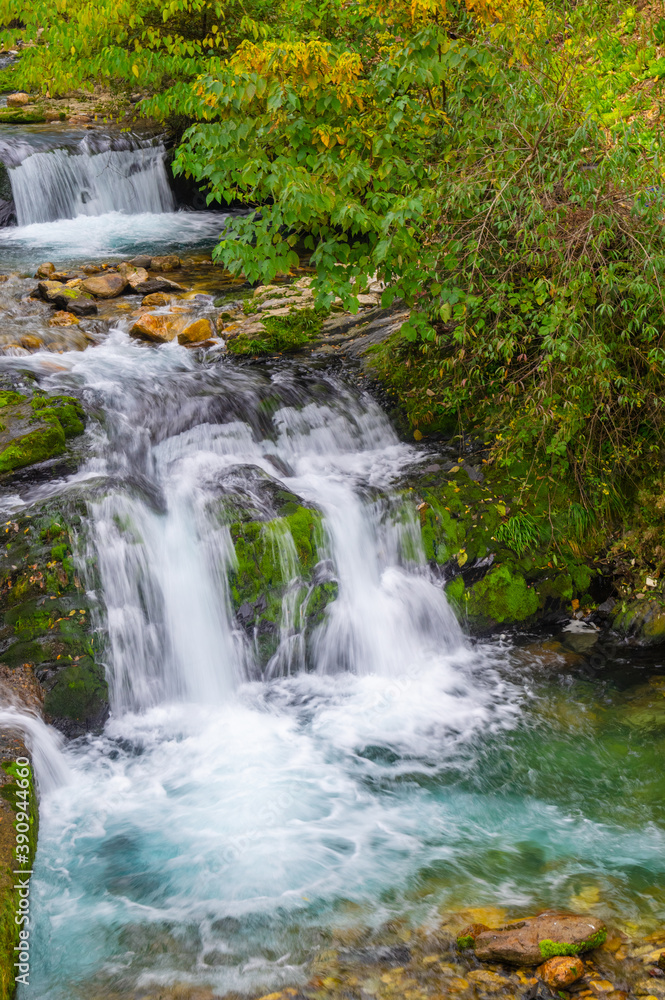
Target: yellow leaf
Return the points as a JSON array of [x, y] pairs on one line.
[[417, 435], [462, 557], [135, 70]]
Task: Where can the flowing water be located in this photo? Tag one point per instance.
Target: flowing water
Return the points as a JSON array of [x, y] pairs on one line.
[[232, 816], [81, 196]]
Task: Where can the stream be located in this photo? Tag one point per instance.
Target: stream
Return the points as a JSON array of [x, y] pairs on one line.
[[233, 817]]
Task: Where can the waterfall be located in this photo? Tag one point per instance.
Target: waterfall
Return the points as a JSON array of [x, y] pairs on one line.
[[84, 179], [228, 795]]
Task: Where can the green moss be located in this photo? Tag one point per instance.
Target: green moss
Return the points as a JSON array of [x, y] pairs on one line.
[[550, 949], [502, 596], [8, 116], [11, 398], [465, 941], [36, 446], [283, 334], [80, 693]]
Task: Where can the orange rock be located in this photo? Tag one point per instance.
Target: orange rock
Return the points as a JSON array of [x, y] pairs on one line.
[[45, 270], [63, 319], [200, 329], [30, 342], [161, 329], [562, 971], [156, 299]]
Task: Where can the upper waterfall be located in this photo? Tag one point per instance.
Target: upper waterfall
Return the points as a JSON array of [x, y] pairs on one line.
[[88, 177]]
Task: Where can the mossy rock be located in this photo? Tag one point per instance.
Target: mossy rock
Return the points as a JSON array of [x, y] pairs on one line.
[[641, 622], [9, 116], [276, 557], [34, 430], [77, 701], [45, 614]]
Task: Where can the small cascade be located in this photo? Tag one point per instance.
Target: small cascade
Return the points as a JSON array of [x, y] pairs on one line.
[[89, 178]]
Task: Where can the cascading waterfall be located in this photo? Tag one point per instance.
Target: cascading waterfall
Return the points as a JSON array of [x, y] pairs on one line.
[[231, 815], [64, 183]]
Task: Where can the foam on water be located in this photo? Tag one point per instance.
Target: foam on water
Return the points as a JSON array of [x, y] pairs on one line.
[[111, 235]]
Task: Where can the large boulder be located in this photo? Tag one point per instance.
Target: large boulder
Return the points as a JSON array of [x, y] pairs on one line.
[[529, 942], [68, 299], [641, 622], [105, 286]]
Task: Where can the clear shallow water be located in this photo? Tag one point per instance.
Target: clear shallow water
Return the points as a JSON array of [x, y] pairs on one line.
[[111, 236], [223, 825]]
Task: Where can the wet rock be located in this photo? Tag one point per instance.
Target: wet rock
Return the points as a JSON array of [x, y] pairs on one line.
[[468, 936], [196, 332], [528, 942], [30, 342], [105, 286], [488, 982], [18, 100], [79, 306], [63, 318], [90, 269], [49, 290], [159, 284], [160, 329], [45, 270], [156, 299], [168, 263], [641, 622], [562, 971], [141, 261]]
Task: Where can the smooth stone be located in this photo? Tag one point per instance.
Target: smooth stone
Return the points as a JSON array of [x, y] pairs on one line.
[[90, 269], [170, 262], [562, 971], [45, 270], [159, 284], [18, 100], [161, 328], [105, 286], [140, 261], [194, 333], [156, 299], [528, 942], [49, 290]]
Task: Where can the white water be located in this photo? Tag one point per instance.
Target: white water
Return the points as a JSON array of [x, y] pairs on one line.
[[59, 184]]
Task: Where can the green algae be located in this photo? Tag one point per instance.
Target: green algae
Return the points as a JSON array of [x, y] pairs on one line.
[[37, 429], [550, 949], [501, 596]]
